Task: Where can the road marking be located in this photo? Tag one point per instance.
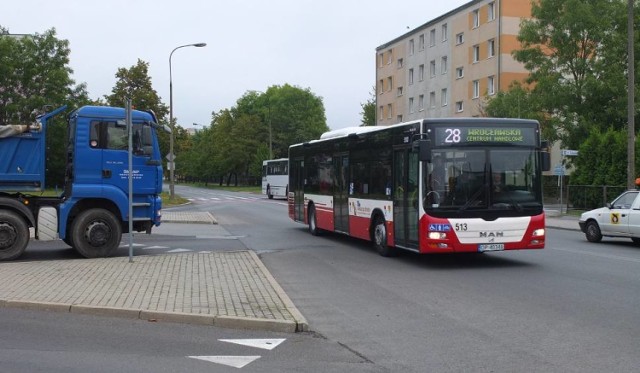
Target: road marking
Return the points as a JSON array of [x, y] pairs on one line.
[[607, 256], [221, 237], [154, 247], [265, 344], [232, 361], [179, 251], [134, 245]]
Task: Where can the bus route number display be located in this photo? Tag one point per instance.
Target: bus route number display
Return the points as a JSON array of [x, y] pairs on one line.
[[495, 135]]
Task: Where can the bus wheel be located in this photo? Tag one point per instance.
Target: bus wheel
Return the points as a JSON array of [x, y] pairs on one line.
[[379, 238], [593, 232], [14, 235], [313, 222], [96, 233], [269, 192]]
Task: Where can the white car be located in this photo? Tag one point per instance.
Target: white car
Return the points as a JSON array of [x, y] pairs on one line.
[[620, 218]]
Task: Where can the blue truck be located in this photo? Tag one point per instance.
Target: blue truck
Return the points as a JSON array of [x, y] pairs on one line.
[[91, 212]]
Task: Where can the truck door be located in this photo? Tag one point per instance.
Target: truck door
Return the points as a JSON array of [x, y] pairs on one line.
[[115, 159]]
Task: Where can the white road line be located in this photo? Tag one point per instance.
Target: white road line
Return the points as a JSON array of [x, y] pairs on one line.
[[265, 344], [232, 361]]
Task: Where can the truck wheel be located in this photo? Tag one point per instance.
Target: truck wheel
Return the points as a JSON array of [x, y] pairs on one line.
[[593, 233], [96, 233], [379, 237], [14, 235], [269, 192]]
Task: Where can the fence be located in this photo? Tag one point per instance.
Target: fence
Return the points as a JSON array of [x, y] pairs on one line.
[[588, 197]]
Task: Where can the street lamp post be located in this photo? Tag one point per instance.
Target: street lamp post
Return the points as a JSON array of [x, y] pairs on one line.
[[171, 138]]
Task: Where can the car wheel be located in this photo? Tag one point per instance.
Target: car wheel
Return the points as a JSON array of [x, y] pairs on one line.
[[593, 232], [635, 240]]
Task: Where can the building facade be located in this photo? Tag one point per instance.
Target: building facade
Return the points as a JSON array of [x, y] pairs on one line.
[[449, 66]]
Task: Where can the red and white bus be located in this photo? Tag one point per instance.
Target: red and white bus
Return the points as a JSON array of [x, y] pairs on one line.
[[430, 186]]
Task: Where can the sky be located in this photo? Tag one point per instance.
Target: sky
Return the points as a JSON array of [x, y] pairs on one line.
[[328, 46]]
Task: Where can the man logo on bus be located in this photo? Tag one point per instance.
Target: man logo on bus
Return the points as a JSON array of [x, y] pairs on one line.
[[491, 234]]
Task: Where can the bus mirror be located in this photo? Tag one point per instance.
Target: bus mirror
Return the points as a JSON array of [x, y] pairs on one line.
[[424, 147], [546, 161]]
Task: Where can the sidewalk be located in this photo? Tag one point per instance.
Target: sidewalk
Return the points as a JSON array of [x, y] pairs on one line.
[[224, 289]]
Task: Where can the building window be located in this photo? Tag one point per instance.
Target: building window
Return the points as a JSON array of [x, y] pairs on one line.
[[444, 32], [476, 18], [460, 38], [443, 65], [421, 43], [381, 60], [399, 118], [476, 53], [491, 13], [381, 88], [460, 72], [432, 68], [390, 83], [476, 89], [421, 103], [432, 99], [459, 106], [381, 112], [390, 57], [432, 38], [400, 91], [389, 111], [410, 76], [411, 47], [421, 72], [443, 97], [410, 104], [491, 90], [491, 48], [400, 63]]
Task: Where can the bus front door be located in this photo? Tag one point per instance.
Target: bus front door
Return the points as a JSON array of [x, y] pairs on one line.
[[297, 187], [341, 193], [405, 198]]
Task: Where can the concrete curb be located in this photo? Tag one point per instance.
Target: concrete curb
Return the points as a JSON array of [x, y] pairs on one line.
[[231, 322], [302, 325]]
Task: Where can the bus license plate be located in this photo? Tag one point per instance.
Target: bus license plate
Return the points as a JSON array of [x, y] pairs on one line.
[[491, 247]]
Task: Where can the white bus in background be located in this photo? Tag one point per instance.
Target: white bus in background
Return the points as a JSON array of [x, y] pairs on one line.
[[275, 177]]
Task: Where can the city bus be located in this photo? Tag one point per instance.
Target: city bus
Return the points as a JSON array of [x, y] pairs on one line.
[[453, 185], [275, 177]]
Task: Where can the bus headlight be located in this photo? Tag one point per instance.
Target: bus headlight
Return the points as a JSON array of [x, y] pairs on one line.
[[437, 236], [538, 232]]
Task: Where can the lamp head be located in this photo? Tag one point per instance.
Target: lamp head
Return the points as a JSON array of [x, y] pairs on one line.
[[200, 45]]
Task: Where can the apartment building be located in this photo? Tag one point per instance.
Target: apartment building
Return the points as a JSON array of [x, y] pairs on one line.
[[450, 65]]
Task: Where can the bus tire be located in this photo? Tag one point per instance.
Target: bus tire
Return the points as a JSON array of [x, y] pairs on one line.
[[313, 222], [379, 237], [269, 192], [592, 232], [96, 233], [14, 235]]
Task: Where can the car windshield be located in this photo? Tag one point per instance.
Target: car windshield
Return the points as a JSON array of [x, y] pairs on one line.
[[624, 201]]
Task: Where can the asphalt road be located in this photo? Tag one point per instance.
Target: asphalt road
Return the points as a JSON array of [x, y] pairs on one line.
[[572, 307]]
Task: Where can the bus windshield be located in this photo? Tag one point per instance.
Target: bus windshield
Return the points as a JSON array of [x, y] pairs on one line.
[[468, 179]]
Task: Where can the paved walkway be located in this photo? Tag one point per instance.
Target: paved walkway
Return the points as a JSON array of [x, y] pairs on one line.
[[226, 289]]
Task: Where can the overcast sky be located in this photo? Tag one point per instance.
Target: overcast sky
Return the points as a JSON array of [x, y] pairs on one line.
[[327, 46]]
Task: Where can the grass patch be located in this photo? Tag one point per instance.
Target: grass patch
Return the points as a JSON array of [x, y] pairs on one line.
[[168, 202], [231, 188]]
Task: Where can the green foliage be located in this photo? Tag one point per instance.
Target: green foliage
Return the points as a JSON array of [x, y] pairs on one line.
[[574, 51], [369, 110], [35, 72], [239, 138]]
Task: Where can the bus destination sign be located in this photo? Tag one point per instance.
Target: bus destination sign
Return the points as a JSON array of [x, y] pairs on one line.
[[495, 135]]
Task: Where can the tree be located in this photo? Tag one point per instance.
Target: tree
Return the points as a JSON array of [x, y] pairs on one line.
[[34, 73], [369, 110], [573, 51], [135, 83]]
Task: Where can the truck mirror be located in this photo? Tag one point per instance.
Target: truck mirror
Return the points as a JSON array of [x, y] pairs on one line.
[[147, 150], [147, 136]]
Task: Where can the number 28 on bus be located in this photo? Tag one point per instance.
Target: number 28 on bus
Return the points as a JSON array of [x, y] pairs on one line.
[[429, 186]]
